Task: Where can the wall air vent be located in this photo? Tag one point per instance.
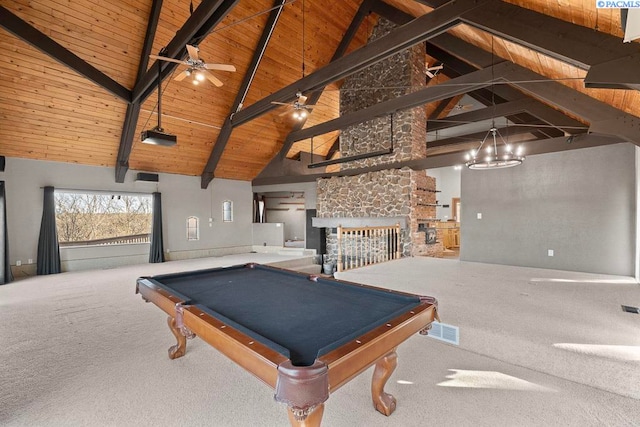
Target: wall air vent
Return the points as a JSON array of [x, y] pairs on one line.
[[147, 177], [444, 332], [629, 309]]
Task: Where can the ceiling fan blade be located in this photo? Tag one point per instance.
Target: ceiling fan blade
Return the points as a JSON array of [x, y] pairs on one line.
[[220, 67], [164, 58], [284, 113], [193, 52], [302, 99], [182, 75], [280, 103], [213, 79], [430, 74]]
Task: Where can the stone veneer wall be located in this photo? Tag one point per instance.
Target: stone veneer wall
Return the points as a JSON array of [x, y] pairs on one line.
[[398, 75], [392, 192], [387, 193]]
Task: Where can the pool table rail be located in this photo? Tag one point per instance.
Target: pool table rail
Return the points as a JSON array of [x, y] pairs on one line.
[[304, 389]]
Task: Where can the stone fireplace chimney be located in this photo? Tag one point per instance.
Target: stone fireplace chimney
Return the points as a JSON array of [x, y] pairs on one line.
[[405, 195]]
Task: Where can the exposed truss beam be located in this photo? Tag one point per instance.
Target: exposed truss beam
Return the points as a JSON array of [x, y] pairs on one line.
[[133, 109], [602, 117], [420, 29], [579, 46], [463, 84], [55, 50], [504, 109], [505, 132], [225, 133], [453, 49], [348, 36], [458, 63], [550, 145], [198, 25], [442, 105]]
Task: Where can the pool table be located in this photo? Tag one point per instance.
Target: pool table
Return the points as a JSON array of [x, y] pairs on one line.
[[304, 335]]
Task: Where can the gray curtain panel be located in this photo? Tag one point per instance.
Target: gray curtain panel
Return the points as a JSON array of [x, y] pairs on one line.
[[48, 248], [156, 252], [5, 264]]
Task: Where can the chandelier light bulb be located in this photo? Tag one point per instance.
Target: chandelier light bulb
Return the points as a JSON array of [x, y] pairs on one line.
[[195, 82], [200, 76], [508, 148], [489, 149]]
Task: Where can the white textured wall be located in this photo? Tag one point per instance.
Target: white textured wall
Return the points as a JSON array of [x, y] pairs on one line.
[[181, 197]]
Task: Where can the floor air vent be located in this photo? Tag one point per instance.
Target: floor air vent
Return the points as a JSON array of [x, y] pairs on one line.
[[444, 332], [630, 309]]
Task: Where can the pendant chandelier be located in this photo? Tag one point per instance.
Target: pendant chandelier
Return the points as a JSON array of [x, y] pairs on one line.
[[497, 153], [494, 155]]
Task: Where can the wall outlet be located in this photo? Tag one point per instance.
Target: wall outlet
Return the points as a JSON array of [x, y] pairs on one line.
[[18, 263], [549, 252], [479, 215], [30, 261]]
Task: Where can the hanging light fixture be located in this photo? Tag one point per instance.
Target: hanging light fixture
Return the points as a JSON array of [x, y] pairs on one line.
[[497, 153], [494, 155]]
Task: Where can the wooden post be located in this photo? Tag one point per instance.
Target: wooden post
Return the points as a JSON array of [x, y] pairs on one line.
[[339, 260], [398, 253]]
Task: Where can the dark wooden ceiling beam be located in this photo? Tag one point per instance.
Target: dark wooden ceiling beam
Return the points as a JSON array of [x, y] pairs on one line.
[[420, 29], [463, 84], [442, 105], [201, 22], [225, 133], [21, 29], [499, 110], [465, 59], [361, 14], [452, 49], [602, 117], [543, 146], [505, 132], [133, 108], [573, 44]]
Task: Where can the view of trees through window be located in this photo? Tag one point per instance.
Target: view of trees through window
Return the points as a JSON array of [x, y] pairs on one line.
[[94, 218]]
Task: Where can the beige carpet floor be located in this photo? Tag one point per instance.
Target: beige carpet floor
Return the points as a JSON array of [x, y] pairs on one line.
[[537, 348]]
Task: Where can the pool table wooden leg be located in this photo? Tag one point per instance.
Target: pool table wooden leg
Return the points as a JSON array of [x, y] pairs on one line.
[[311, 420], [180, 348], [382, 401]]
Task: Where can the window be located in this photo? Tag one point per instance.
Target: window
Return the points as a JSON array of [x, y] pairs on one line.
[[193, 228], [102, 219], [227, 211]]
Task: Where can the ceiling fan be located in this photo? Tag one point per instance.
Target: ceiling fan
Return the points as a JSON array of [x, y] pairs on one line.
[[432, 71], [462, 107], [300, 108], [197, 69]]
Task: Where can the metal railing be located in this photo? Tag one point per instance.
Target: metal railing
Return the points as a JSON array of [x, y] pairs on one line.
[[120, 240], [360, 246]]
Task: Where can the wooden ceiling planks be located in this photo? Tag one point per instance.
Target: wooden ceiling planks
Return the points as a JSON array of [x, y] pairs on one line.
[[50, 112], [108, 35]]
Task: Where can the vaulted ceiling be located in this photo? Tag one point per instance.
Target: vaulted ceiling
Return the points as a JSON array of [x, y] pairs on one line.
[[78, 86]]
